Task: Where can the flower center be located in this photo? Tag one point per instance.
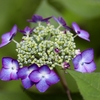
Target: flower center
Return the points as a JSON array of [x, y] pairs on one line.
[[12, 68], [46, 45], [43, 76], [82, 63]]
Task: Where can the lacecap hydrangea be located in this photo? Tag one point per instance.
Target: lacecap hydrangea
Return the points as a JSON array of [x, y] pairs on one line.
[[42, 49]]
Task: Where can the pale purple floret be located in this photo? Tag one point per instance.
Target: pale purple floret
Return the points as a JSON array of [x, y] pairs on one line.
[[7, 37], [43, 78], [9, 69], [81, 33], [27, 30], [24, 73], [84, 62], [38, 18], [62, 22]]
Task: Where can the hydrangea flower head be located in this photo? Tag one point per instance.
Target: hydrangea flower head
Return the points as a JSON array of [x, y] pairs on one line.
[[84, 62], [44, 48], [7, 37]]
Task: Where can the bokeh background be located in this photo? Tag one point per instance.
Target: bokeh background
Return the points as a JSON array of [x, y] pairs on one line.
[[85, 12]]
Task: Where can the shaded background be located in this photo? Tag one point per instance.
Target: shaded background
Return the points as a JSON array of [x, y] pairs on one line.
[[85, 12]]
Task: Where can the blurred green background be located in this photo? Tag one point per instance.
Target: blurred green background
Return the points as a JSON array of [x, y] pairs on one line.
[[85, 12]]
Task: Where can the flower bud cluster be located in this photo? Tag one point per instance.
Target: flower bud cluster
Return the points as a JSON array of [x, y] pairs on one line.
[[39, 47]]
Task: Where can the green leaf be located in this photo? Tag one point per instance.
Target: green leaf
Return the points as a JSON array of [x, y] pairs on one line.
[[88, 84]]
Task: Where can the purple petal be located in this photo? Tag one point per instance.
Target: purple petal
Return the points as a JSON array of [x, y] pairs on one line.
[[35, 18], [42, 86], [35, 76], [76, 61], [33, 67], [87, 55], [86, 68], [15, 64], [90, 67], [27, 29], [13, 30], [46, 19], [25, 71], [81, 68], [60, 20], [22, 31], [6, 62], [53, 78], [5, 74], [84, 35], [27, 83], [22, 73], [13, 75], [45, 69], [5, 39], [76, 27]]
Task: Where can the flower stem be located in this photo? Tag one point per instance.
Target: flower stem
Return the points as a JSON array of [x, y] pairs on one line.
[[75, 36], [64, 84], [58, 26], [39, 23], [15, 41]]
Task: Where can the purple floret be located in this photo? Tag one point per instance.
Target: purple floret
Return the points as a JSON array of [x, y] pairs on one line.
[[7, 37], [62, 22], [24, 73], [44, 78], [81, 33], [38, 18], [9, 69], [84, 62], [27, 30]]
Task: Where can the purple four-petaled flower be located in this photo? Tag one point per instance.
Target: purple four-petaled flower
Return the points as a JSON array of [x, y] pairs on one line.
[[84, 62], [24, 73], [44, 77], [9, 69], [38, 18], [7, 37], [81, 33], [27, 30]]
